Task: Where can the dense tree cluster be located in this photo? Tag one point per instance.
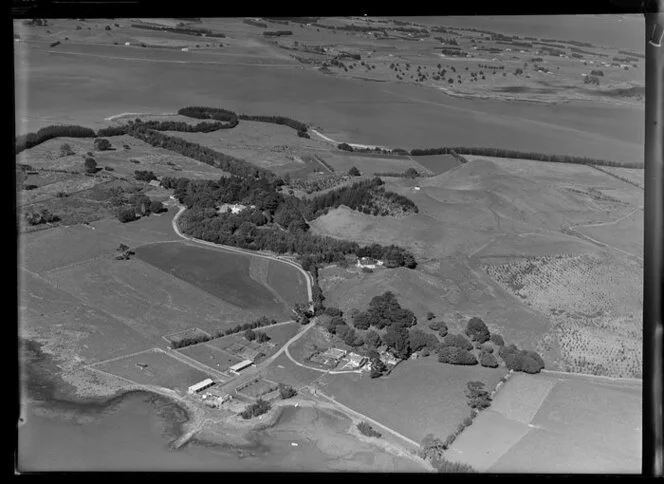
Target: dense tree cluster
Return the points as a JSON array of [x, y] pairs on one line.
[[201, 112], [289, 213], [298, 126], [505, 153], [255, 409], [29, 140], [44, 216], [477, 330], [458, 341], [478, 397], [367, 196], [144, 175], [418, 340], [521, 360], [384, 312], [456, 356]]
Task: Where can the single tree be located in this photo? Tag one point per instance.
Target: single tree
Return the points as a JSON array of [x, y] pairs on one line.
[[90, 165], [354, 171]]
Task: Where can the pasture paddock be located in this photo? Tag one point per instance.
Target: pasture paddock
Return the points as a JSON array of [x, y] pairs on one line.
[[154, 368], [220, 273], [582, 424], [418, 397], [210, 356]]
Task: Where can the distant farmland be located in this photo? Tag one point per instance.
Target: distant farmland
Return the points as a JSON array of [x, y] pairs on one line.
[[556, 423], [222, 274]]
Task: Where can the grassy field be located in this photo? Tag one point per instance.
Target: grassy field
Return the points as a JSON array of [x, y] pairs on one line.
[[289, 284], [625, 234], [283, 370], [437, 164], [556, 423], [368, 165], [594, 303], [419, 396], [211, 356], [149, 301], [162, 370], [222, 274]]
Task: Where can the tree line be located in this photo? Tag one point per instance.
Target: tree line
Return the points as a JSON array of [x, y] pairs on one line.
[[298, 126], [192, 340], [166, 126], [29, 140], [508, 153], [203, 154]]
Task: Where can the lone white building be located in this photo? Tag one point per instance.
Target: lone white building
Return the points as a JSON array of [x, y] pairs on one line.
[[238, 367], [201, 385]]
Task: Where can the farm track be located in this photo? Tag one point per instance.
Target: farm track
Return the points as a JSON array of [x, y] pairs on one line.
[[361, 416]]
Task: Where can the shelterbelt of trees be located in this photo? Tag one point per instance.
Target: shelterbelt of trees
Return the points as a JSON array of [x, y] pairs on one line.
[[277, 222], [505, 153]]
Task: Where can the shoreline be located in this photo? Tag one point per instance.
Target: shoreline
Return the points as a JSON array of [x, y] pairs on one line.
[[86, 387]]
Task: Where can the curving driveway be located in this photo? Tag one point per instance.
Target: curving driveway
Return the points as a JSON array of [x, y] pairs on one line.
[[228, 248]]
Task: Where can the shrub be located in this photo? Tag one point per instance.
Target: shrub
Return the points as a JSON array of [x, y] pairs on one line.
[[109, 168], [345, 147], [127, 215], [457, 340], [65, 150], [368, 430], [144, 175], [157, 207], [45, 216], [436, 325], [478, 397], [497, 339], [354, 171], [488, 360], [477, 330], [430, 316], [331, 311], [250, 335], [286, 391], [456, 356], [90, 165], [102, 144]]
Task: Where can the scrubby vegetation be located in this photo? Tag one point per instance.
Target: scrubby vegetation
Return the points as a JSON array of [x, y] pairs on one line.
[[44, 216], [368, 430], [286, 391], [255, 409]]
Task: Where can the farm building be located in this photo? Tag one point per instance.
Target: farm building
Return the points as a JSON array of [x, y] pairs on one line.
[[335, 353], [201, 385], [387, 358], [238, 367], [235, 208], [368, 262], [356, 360]]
